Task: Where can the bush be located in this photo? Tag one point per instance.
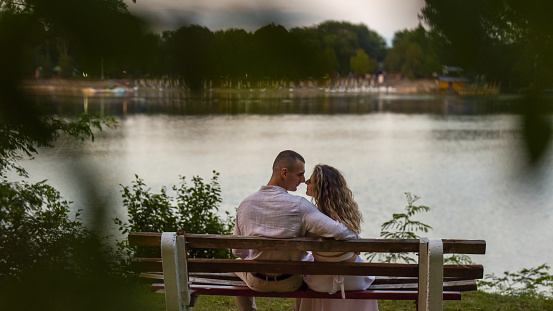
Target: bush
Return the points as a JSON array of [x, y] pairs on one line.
[[195, 211], [532, 282], [402, 226], [49, 261], [35, 228]]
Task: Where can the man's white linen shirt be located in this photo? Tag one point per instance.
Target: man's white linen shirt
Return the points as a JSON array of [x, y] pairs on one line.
[[274, 213]]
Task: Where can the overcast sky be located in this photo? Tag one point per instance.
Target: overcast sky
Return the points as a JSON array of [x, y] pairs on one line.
[[383, 16]]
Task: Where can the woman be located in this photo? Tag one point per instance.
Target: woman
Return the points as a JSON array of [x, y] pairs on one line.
[[331, 195]]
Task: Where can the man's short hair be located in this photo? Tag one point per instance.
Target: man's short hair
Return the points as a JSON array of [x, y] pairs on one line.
[[286, 159]]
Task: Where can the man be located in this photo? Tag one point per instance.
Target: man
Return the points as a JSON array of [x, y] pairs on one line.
[[273, 212]]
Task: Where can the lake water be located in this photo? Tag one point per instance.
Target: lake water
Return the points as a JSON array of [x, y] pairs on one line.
[[463, 156]]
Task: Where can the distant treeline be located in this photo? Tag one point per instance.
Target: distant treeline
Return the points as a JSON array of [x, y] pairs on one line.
[[100, 38]]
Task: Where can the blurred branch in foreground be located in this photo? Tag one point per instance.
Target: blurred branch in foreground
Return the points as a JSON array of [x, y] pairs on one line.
[[509, 41], [48, 259]]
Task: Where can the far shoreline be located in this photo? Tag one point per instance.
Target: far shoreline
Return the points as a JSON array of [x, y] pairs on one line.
[[347, 86]]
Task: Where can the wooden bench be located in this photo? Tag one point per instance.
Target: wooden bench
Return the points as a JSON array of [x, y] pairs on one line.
[[428, 282]]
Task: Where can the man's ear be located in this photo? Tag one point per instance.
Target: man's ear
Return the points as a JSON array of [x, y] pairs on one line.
[[283, 172]]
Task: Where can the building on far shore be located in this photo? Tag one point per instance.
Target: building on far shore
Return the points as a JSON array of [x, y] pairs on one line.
[[451, 80]]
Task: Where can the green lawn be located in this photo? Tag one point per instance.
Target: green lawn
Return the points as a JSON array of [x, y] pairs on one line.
[[471, 301]]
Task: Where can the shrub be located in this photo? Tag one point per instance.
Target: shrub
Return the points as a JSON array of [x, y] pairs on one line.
[[402, 226], [50, 261], [530, 282], [195, 211], [35, 228]]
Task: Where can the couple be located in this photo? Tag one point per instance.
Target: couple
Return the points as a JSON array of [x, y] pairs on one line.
[[273, 212]]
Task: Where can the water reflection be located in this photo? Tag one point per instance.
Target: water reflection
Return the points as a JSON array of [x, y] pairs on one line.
[[277, 102]]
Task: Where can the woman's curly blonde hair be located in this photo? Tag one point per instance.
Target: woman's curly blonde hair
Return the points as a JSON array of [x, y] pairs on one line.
[[332, 197]]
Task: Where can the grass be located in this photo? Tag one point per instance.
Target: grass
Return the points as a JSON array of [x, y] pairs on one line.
[[477, 301]]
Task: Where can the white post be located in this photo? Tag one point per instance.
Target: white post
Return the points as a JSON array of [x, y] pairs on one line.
[[175, 272], [431, 275]]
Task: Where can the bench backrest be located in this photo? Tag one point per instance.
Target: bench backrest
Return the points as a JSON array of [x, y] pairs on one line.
[[314, 244], [430, 270]]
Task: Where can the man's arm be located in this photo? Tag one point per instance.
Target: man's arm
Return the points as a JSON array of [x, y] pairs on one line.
[[240, 253], [321, 225]]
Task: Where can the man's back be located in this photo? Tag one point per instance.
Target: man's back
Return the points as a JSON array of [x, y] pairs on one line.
[[274, 213]]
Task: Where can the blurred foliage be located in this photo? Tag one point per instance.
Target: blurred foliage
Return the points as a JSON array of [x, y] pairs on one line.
[[50, 261], [51, 25], [81, 33], [35, 228], [19, 139], [508, 41], [195, 212]]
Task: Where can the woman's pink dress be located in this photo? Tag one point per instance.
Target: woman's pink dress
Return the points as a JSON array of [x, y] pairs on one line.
[[334, 283]]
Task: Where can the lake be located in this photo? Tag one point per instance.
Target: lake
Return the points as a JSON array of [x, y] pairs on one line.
[[463, 156]]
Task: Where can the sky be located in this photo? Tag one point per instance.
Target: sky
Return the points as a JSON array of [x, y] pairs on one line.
[[383, 16]]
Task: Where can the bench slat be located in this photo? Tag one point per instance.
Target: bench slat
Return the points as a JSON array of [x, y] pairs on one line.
[[216, 277], [461, 285], [467, 285], [195, 280], [476, 247], [219, 290], [298, 244], [301, 244], [311, 268]]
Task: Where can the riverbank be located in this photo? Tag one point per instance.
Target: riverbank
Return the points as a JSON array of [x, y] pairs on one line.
[[353, 86]]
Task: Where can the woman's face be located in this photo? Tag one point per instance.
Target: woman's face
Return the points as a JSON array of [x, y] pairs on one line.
[[310, 186]]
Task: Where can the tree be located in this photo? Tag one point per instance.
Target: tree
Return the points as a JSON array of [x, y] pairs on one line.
[[272, 53], [346, 38], [506, 40], [231, 53], [342, 38], [413, 54], [308, 55], [361, 64], [188, 53], [371, 42], [85, 32]]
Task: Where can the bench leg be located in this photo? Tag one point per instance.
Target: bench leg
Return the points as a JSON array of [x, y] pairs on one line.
[[175, 273], [431, 275]]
